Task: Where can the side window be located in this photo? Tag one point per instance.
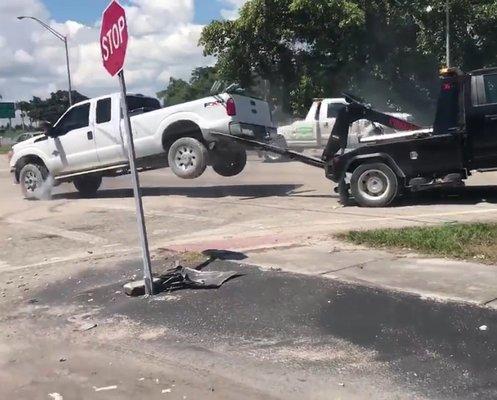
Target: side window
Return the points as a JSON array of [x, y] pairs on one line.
[[333, 109], [103, 111], [490, 82], [78, 117]]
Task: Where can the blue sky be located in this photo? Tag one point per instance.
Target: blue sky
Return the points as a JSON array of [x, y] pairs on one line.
[[88, 11]]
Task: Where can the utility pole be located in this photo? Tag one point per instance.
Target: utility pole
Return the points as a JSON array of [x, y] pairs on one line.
[[447, 29]]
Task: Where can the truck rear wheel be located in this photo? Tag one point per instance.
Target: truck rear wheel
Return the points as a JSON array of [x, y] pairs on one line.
[[374, 185], [88, 186], [188, 158], [32, 179], [230, 163]]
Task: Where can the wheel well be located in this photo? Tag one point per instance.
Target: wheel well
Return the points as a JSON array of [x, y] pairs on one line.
[[31, 159], [179, 129], [355, 163]]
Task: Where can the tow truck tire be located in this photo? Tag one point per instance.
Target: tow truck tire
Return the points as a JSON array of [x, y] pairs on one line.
[[230, 163], [32, 178], [188, 158], [87, 186], [374, 185]]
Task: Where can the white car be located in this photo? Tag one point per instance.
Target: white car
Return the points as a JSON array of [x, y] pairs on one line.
[[88, 141]]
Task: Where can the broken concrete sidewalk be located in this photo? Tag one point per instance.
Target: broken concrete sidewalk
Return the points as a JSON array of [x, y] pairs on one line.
[[431, 277]]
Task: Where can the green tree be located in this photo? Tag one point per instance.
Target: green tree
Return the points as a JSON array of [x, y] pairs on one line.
[[180, 91], [388, 51], [52, 108]]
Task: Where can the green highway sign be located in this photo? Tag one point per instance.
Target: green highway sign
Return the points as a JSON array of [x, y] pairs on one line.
[[7, 110]]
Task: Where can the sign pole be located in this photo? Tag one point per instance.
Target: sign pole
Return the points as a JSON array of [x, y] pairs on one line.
[[142, 230]]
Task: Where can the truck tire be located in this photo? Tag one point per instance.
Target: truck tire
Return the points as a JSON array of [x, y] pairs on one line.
[[230, 163], [374, 185], [33, 179], [87, 186], [188, 158]]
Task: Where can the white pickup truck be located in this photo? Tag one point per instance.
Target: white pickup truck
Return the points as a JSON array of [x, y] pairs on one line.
[[315, 130], [88, 141]]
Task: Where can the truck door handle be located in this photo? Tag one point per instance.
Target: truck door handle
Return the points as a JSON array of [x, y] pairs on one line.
[[89, 135]]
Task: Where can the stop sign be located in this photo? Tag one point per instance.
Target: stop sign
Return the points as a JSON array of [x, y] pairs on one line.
[[114, 38]]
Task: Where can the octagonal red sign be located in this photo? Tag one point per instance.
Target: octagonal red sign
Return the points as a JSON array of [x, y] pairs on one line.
[[114, 38]]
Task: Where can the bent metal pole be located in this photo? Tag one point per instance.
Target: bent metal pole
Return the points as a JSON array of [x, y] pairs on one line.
[[142, 230]]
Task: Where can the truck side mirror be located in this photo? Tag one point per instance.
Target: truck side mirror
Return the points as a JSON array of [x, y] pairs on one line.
[[48, 129]]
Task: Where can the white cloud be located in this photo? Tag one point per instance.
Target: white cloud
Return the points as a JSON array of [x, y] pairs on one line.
[[232, 8], [163, 43]]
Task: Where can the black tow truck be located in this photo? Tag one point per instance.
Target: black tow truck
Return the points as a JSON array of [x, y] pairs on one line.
[[463, 139]]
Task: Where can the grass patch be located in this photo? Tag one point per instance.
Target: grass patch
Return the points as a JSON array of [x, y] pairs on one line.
[[5, 149], [465, 241]]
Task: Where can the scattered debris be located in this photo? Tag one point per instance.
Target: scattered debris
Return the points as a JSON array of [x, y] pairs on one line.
[[62, 359], [341, 384], [102, 389], [55, 396], [166, 391], [86, 327], [141, 379], [182, 278], [483, 328], [32, 301]]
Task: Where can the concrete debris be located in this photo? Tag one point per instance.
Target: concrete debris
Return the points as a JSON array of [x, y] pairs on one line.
[[86, 327], [182, 278], [483, 328], [105, 388], [55, 396]]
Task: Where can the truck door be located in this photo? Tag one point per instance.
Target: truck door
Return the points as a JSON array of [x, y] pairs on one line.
[[73, 148], [108, 136], [482, 121], [327, 117]]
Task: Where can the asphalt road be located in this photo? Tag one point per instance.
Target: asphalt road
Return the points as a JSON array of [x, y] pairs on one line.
[[315, 337], [267, 334]]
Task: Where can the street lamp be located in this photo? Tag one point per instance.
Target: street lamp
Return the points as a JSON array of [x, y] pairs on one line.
[[59, 36]]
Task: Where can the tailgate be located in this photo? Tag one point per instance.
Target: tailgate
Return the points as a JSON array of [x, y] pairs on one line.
[[252, 111]]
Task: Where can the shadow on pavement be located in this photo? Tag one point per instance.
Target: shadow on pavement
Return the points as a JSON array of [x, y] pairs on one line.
[[194, 192], [465, 195]]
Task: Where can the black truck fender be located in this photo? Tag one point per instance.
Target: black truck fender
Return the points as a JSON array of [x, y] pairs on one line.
[[359, 159]]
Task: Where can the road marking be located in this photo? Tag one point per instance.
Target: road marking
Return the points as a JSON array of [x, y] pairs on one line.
[[52, 230]]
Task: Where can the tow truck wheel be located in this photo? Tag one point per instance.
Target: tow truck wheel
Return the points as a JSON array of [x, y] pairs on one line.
[[188, 158], [88, 186], [230, 163], [374, 185], [32, 178]]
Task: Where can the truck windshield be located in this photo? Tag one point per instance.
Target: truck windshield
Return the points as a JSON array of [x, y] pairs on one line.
[[145, 103]]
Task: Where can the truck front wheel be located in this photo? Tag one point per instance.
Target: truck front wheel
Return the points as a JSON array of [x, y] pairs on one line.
[[188, 158], [88, 186], [230, 163], [374, 185], [33, 180]]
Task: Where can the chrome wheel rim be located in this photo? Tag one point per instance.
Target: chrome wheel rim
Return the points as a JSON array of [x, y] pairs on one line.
[[31, 181], [186, 158], [374, 184]]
